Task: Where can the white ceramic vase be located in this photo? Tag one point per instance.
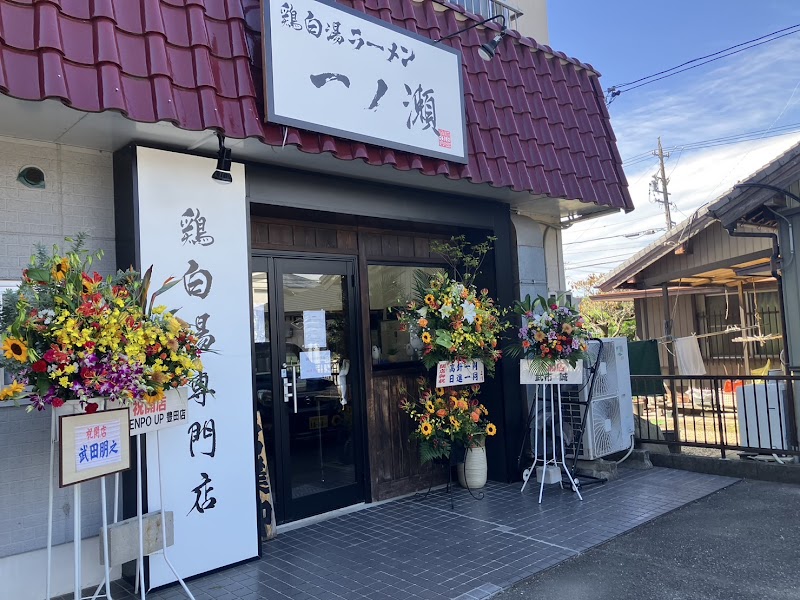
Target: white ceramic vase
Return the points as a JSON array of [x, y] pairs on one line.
[[472, 472]]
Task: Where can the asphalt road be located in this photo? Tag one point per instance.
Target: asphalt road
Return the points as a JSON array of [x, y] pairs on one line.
[[742, 543]]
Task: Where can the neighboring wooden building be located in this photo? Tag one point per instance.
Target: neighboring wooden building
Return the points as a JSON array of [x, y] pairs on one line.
[[701, 279]]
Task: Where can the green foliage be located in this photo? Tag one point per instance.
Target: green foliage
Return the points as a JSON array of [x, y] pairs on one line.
[[605, 318], [464, 258]]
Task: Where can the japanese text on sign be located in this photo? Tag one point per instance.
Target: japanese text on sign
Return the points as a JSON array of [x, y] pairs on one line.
[[169, 412], [459, 373], [97, 445], [558, 373], [389, 86]]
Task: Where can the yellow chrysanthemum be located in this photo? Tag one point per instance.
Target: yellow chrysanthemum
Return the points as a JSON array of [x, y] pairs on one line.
[[566, 328], [426, 338], [16, 349], [60, 269], [426, 429], [491, 429]]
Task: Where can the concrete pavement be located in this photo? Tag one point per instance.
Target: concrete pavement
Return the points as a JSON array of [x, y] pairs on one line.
[[741, 543]]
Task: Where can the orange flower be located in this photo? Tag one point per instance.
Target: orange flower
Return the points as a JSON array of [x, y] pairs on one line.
[[441, 412], [526, 344], [423, 322], [475, 416], [462, 405]]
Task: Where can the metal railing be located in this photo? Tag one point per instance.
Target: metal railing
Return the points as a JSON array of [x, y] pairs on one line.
[[490, 8], [748, 414]]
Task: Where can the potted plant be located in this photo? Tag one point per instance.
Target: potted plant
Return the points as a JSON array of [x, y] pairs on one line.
[[69, 335], [451, 423], [455, 323], [552, 337]]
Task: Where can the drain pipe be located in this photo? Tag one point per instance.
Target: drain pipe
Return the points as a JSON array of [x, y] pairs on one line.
[[774, 262]]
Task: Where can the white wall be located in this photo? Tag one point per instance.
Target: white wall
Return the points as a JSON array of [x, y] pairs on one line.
[[78, 197], [540, 257], [533, 22]]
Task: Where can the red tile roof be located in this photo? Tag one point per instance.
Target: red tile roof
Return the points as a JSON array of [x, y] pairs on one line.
[[536, 119]]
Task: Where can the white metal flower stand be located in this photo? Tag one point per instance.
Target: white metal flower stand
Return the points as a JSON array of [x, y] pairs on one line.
[[544, 386]]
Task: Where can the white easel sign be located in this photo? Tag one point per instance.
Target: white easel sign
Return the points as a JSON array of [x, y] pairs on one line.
[[558, 373], [93, 445], [459, 373], [169, 412]]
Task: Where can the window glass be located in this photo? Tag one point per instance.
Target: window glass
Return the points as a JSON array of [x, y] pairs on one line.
[[391, 287]]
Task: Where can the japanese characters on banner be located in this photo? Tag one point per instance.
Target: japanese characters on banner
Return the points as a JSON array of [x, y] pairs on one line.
[[92, 445], [558, 373], [459, 373], [192, 228], [97, 445], [335, 70], [169, 412]]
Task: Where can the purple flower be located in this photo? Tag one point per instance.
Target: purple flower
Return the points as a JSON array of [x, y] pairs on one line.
[[523, 332]]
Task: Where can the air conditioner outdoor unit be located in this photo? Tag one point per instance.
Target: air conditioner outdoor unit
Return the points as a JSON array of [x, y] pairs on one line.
[[609, 422], [761, 410]]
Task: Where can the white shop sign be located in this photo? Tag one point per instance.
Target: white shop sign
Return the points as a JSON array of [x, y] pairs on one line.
[[335, 70], [194, 229]]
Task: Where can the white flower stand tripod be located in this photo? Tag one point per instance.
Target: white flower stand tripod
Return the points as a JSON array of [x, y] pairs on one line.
[[547, 388]]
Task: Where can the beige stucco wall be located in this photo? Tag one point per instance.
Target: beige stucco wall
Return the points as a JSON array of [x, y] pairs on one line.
[[533, 22]]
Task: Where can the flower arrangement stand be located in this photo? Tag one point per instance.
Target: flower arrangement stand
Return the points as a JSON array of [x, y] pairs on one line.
[[556, 458], [451, 462], [77, 516], [140, 513]]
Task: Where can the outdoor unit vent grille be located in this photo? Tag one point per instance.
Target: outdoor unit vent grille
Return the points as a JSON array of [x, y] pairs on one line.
[[609, 422]]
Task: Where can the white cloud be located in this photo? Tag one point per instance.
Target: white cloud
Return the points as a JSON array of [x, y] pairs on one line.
[[745, 93]]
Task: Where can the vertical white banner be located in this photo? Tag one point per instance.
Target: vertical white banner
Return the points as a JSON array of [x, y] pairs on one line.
[[195, 230]]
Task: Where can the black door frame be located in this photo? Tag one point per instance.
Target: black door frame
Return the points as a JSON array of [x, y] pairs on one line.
[[288, 509]]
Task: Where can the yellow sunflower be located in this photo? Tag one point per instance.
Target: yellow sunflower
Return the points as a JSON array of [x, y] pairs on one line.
[[426, 338], [11, 391], [454, 422], [15, 349], [429, 406], [426, 429], [158, 394], [429, 299], [59, 270], [491, 429], [440, 391]]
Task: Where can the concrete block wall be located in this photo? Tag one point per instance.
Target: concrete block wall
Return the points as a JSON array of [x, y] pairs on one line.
[[78, 197]]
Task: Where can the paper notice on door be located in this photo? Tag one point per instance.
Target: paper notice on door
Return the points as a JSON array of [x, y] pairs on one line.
[[314, 329], [260, 324], [315, 364]]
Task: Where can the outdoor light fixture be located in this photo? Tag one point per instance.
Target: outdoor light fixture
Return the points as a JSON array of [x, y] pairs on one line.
[[223, 173], [489, 49], [32, 177]]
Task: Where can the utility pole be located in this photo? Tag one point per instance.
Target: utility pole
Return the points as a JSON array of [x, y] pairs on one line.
[[663, 180]]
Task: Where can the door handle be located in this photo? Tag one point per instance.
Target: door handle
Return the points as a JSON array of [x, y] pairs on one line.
[[287, 395]]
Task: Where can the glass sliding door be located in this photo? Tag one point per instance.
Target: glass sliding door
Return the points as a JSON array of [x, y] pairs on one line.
[[312, 388]]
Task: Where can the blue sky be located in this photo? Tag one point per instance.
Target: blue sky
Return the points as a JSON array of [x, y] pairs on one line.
[[753, 90]]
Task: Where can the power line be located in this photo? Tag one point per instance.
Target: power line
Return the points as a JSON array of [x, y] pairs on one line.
[[614, 91], [722, 141], [608, 237]]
